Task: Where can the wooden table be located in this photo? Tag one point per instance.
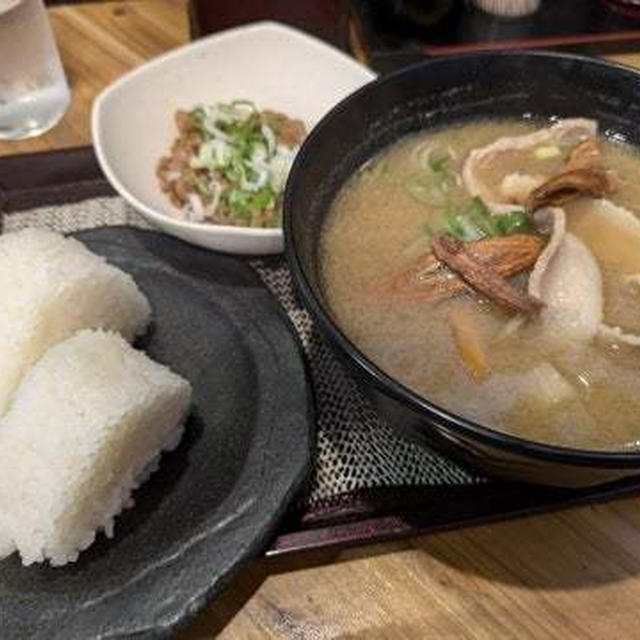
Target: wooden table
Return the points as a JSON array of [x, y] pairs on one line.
[[572, 574]]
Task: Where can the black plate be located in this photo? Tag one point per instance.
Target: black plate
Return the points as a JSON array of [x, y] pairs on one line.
[[216, 499]]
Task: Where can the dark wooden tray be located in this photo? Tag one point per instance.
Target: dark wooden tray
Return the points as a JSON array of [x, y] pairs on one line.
[[39, 179]]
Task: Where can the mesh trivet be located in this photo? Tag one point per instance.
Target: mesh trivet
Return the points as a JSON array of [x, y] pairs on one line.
[[356, 449]]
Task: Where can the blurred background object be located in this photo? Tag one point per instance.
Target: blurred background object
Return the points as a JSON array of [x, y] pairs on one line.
[[508, 8]]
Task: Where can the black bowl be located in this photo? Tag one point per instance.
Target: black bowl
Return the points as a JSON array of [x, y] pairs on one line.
[[425, 96]]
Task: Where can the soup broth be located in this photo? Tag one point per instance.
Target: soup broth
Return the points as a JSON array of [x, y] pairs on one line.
[[467, 352]]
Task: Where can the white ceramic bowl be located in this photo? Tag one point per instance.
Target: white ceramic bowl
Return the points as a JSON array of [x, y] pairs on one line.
[[273, 65]]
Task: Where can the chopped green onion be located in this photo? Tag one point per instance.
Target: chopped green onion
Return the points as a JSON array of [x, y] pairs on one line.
[[437, 162], [239, 163], [481, 217], [475, 221], [513, 222], [459, 225], [425, 190], [430, 186]]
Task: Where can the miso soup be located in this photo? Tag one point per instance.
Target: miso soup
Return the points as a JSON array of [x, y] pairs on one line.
[[494, 268]]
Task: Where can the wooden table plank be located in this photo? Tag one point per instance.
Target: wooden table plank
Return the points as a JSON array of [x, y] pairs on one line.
[[564, 575]]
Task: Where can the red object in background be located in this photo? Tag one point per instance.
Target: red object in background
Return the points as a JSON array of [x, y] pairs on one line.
[[326, 19]]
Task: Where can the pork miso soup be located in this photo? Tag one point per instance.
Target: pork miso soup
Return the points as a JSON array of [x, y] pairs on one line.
[[494, 268]]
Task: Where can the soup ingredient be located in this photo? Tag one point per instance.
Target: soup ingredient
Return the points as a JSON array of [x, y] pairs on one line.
[[594, 183], [585, 155], [469, 341], [516, 187], [565, 134], [550, 220], [617, 335], [433, 180], [475, 221], [567, 277], [571, 288], [230, 163], [547, 385], [612, 232], [429, 279], [51, 286], [87, 426], [546, 152], [481, 276]]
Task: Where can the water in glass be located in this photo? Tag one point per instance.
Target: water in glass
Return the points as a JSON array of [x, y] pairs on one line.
[[34, 93]]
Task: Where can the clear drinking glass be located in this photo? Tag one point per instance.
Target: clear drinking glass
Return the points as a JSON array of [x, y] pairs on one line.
[[34, 93]]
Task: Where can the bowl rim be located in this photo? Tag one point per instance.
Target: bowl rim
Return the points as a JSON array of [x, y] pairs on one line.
[[374, 374], [245, 30]]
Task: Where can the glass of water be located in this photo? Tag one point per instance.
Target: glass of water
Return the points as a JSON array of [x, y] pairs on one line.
[[34, 93]]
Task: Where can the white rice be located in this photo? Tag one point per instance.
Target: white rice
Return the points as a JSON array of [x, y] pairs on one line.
[[86, 426], [50, 287]]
